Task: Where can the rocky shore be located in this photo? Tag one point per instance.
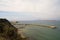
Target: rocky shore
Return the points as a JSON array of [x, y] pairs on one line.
[[9, 32]]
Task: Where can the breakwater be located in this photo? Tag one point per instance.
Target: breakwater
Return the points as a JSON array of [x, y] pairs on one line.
[[41, 25]]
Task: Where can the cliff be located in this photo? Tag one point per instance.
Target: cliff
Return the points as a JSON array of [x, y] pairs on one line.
[[8, 31]]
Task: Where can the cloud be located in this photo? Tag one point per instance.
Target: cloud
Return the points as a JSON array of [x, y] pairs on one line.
[[28, 5], [43, 9]]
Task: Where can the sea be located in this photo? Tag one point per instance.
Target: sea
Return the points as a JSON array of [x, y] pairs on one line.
[[42, 33]]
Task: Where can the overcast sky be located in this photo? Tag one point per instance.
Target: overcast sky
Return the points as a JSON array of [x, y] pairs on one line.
[[30, 9]]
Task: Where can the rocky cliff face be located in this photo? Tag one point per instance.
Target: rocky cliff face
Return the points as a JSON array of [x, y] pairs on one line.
[[8, 31]]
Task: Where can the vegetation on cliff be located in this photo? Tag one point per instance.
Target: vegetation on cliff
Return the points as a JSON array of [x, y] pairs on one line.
[[8, 31]]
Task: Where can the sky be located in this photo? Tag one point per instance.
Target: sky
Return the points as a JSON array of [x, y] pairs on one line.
[[30, 9]]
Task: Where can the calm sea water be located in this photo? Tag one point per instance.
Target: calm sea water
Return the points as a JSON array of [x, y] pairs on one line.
[[43, 33]]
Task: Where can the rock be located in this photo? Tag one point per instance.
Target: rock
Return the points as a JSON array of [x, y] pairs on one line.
[[8, 31], [53, 27]]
